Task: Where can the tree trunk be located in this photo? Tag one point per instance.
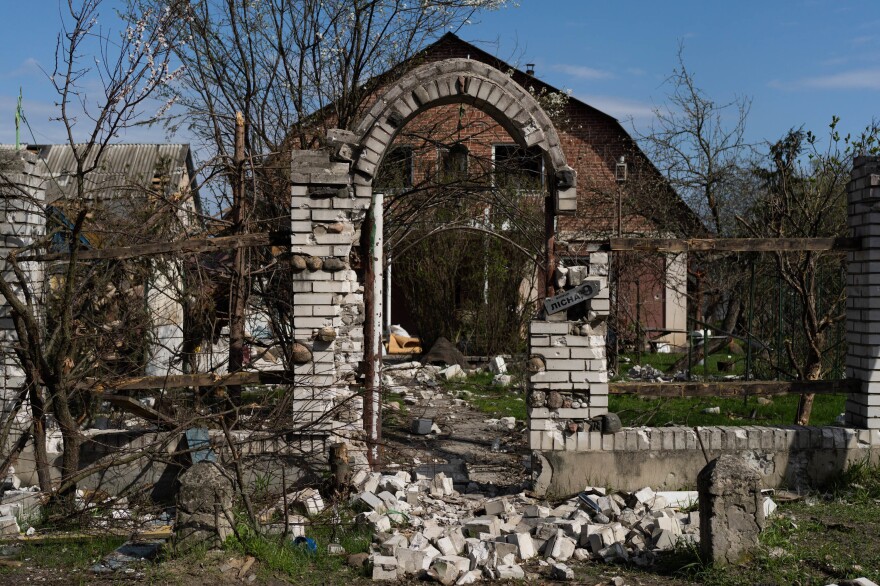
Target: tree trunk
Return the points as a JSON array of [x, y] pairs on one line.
[[70, 437], [41, 456], [805, 405], [238, 286]]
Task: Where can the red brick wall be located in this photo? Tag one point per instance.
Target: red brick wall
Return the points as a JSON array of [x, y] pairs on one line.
[[593, 143]]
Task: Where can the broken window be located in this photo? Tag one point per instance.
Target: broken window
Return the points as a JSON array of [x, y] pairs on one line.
[[518, 168], [396, 171], [454, 163]]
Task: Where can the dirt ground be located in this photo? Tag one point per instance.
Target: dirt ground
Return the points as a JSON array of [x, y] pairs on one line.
[[462, 449]]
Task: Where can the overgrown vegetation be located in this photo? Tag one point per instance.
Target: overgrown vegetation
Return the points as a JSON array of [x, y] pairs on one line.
[[777, 410], [300, 565]]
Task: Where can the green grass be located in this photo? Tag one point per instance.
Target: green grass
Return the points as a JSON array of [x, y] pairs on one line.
[[301, 566], [647, 411], [825, 538], [495, 401], [665, 363], [634, 410], [73, 557]]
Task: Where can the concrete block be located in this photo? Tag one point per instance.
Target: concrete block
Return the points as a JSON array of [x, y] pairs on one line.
[[385, 567], [412, 561], [371, 502], [525, 547]]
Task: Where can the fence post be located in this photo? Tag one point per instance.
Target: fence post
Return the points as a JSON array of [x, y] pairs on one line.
[[863, 294]]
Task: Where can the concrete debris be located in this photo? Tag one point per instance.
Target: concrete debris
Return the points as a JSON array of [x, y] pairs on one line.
[[497, 365], [424, 527], [421, 426], [9, 526], [645, 373], [306, 502], [731, 511], [560, 571], [385, 567], [204, 508], [454, 372], [510, 572], [502, 380]]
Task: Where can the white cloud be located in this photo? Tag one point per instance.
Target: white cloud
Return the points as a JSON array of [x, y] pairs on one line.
[[28, 67], [582, 72], [857, 79], [862, 40], [620, 108]]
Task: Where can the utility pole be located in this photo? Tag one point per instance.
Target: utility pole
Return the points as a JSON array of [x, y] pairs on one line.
[[620, 172]]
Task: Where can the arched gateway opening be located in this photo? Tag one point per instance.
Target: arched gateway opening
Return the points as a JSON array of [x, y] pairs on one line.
[[334, 205]]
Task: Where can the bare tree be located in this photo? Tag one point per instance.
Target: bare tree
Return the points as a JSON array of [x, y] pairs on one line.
[[802, 194], [58, 348], [699, 145]]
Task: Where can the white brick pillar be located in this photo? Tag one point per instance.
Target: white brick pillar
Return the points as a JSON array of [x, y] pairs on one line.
[[863, 294], [22, 222], [328, 301], [568, 384]]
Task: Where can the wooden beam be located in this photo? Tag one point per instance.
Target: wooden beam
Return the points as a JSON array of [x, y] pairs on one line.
[[179, 381], [138, 409], [160, 532], [734, 388], [735, 244], [196, 245]]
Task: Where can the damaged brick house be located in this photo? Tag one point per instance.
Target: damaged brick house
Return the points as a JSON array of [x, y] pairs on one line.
[[136, 192], [463, 153]]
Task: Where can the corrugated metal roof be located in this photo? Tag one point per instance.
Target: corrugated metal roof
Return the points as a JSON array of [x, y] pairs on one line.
[[122, 170]]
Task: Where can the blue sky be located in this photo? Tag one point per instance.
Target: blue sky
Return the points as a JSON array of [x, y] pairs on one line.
[[800, 61]]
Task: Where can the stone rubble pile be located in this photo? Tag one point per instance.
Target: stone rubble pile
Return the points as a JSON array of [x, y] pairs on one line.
[[647, 373], [424, 527]]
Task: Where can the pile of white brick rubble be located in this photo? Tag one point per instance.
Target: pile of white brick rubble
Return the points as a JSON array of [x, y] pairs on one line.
[[426, 527]]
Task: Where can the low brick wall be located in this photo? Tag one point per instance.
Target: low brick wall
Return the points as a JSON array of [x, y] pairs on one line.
[[670, 457]]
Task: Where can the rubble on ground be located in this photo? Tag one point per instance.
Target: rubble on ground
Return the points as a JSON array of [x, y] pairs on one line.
[[647, 373], [424, 527]]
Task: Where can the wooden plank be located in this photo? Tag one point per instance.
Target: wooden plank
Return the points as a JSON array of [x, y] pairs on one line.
[[733, 388], [735, 244], [195, 245], [160, 532], [179, 381], [137, 408]]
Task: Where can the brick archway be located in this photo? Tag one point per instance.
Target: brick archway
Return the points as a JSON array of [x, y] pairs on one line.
[[474, 83], [337, 319]]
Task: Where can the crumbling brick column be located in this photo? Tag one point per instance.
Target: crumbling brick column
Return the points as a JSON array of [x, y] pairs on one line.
[[863, 294], [22, 222], [326, 215], [569, 372]]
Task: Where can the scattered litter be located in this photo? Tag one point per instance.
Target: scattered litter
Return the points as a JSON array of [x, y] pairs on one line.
[[306, 543], [128, 555]]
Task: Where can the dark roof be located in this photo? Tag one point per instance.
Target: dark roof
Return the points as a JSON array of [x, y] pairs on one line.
[[451, 41]]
